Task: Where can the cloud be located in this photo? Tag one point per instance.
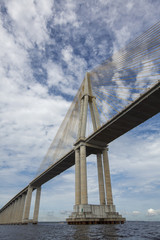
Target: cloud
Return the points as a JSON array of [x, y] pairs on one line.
[[136, 212], [35, 20], [152, 212], [67, 15], [67, 53]]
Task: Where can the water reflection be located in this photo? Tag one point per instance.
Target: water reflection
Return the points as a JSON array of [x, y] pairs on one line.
[[95, 232]]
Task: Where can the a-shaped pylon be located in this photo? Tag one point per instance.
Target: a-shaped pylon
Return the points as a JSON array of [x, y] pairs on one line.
[[85, 213]]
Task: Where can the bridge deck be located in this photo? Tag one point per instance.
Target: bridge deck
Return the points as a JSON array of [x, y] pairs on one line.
[[145, 107]]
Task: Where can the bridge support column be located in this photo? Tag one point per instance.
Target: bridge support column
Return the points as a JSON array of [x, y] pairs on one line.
[[21, 212], [2, 217], [20, 209], [17, 211], [100, 179], [5, 216], [9, 214], [36, 208], [77, 178], [84, 195], [13, 211], [108, 181], [27, 206]]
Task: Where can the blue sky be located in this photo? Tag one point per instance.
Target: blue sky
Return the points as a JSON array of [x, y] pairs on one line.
[[46, 48]]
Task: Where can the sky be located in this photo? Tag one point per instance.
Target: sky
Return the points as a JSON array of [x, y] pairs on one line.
[[46, 48]]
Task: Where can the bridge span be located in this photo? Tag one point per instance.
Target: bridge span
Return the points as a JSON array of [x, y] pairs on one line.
[[145, 107]]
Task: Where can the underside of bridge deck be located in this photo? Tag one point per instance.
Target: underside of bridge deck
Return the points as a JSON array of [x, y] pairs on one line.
[[145, 107]]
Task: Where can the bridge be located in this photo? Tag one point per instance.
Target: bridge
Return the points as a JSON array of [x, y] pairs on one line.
[[129, 76]]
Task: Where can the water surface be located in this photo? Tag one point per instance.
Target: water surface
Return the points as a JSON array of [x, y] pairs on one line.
[[59, 231]]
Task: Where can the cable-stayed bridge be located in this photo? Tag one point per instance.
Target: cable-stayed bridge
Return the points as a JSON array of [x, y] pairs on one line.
[[113, 98]]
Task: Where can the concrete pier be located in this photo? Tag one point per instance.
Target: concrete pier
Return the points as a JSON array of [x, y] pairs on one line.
[[16, 211], [94, 214], [77, 178], [100, 180], [36, 208], [21, 209], [84, 213], [84, 195], [107, 178], [13, 212], [27, 206]]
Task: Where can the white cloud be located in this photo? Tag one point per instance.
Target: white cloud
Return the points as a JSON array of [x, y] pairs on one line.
[[67, 15], [122, 35], [152, 212], [67, 53], [136, 212], [58, 79], [35, 20]]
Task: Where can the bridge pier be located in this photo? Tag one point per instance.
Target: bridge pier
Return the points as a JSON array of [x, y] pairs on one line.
[[100, 180], [21, 208], [107, 178], [84, 195], [17, 211], [27, 206], [77, 178], [3, 217], [36, 207], [13, 212], [83, 212]]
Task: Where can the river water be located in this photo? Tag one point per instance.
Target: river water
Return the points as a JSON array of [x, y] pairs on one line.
[[59, 231]]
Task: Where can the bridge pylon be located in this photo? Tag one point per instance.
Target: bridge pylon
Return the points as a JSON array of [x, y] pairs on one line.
[[84, 213]]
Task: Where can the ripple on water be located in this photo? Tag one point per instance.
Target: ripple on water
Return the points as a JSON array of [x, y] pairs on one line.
[[62, 231]]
